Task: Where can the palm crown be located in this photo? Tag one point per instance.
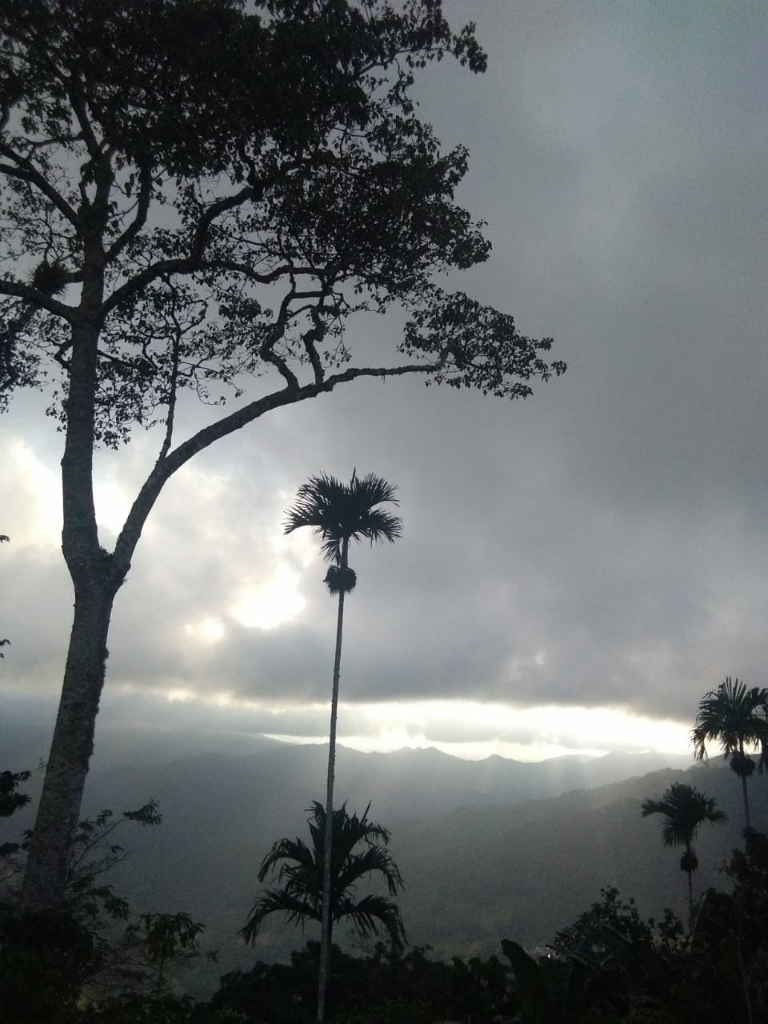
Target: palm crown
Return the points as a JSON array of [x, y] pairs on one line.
[[736, 716], [731, 714], [684, 809], [342, 512]]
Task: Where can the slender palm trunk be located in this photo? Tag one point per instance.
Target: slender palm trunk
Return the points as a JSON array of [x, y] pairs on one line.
[[690, 891], [746, 800], [743, 777], [325, 926]]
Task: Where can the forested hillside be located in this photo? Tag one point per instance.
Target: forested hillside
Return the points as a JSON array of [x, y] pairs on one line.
[[480, 861]]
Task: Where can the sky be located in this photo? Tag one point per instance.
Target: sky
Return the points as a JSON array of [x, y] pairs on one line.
[[576, 570]]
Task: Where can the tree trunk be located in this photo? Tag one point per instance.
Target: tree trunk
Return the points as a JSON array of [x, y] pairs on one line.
[[746, 800], [59, 809], [690, 900], [96, 576], [325, 926]]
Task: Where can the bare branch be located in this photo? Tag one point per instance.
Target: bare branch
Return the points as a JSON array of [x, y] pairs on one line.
[[290, 378], [81, 113], [267, 350], [385, 371], [172, 390], [167, 465]]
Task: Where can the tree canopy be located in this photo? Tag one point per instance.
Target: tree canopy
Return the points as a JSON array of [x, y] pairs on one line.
[[222, 191]]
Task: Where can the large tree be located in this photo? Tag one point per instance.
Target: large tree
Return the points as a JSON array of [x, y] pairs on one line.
[[198, 197], [340, 513]]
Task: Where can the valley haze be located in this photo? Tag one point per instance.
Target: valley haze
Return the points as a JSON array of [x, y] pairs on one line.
[[489, 849]]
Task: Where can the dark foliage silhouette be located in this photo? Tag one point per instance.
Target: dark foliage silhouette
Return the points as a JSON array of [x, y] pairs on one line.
[[358, 851], [685, 810], [735, 716]]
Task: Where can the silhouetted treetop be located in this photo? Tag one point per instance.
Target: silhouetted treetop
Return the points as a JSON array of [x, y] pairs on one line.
[[166, 162]]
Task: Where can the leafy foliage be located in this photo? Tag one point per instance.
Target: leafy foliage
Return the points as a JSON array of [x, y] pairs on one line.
[[10, 799], [76, 959], [381, 987], [45, 959], [95, 853], [188, 141], [165, 939], [534, 985]]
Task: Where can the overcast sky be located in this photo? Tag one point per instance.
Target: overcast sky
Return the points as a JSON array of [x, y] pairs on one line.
[[576, 570]]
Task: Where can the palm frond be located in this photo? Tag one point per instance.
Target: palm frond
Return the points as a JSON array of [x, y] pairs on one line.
[[367, 914], [298, 868], [274, 901], [314, 499], [374, 859], [286, 850]]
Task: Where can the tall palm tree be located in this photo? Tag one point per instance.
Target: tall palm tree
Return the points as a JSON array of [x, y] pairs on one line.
[[736, 717], [298, 869], [685, 810], [340, 513]]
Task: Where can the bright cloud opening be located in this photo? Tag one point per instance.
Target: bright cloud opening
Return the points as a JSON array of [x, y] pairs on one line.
[[270, 606], [209, 630]]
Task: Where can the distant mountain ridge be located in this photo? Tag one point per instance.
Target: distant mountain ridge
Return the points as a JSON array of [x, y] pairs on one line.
[[488, 849]]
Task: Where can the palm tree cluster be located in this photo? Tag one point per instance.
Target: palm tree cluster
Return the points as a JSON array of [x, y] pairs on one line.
[[736, 716]]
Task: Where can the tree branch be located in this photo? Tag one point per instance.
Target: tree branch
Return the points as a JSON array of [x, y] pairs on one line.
[[140, 219], [267, 350], [193, 261], [25, 170], [172, 392], [167, 465], [86, 128], [36, 297]]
